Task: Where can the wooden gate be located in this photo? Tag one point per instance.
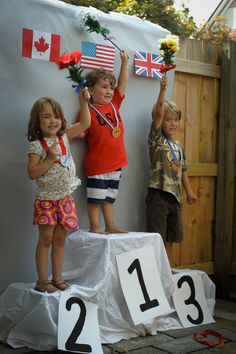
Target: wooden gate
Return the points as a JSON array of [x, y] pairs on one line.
[[196, 92], [225, 236], [204, 87]]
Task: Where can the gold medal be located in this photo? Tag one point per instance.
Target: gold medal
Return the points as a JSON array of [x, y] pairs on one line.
[[116, 132]]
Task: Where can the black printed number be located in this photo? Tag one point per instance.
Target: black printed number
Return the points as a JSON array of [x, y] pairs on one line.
[[71, 341], [148, 303], [191, 300]]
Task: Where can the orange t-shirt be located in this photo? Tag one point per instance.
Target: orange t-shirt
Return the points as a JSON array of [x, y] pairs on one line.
[[105, 153]]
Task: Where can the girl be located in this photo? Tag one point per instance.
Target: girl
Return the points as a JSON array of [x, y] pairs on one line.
[[51, 165]]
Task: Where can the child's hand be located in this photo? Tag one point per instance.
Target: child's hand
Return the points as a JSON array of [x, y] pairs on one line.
[[163, 82], [124, 57], [52, 151], [191, 199], [84, 95]]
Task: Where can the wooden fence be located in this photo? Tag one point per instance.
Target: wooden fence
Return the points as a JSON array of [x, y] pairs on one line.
[[225, 237], [203, 88]]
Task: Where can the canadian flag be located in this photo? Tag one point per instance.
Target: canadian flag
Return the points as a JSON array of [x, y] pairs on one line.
[[40, 45]]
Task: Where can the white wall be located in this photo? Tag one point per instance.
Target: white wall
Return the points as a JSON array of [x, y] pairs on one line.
[[24, 80], [230, 15]]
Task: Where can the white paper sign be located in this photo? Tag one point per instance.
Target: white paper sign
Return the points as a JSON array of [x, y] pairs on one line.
[[78, 325], [141, 284], [189, 300]]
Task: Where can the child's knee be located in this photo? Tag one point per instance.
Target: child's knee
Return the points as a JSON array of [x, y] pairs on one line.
[[46, 239]]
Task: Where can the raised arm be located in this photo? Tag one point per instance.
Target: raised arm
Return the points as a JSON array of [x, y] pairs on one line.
[[77, 129], [123, 76], [158, 111]]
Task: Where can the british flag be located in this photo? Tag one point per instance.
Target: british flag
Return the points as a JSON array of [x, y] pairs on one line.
[[147, 64]]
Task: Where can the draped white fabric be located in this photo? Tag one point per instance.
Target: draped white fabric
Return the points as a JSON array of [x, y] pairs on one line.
[[29, 318]]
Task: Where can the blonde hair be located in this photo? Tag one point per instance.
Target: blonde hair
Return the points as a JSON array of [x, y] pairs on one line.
[[168, 106], [34, 132], [171, 106]]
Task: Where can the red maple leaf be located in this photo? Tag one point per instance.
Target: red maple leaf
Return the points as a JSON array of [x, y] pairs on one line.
[[41, 45]]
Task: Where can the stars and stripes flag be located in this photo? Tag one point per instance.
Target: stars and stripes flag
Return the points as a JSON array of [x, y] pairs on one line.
[[147, 64], [40, 45], [96, 56]]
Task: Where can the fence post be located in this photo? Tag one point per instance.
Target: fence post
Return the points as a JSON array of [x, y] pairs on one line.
[[225, 178]]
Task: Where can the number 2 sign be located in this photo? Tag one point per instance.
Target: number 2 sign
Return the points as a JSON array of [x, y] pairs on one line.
[[78, 325], [141, 284]]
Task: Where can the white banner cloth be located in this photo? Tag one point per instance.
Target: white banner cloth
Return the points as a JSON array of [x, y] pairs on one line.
[[29, 318], [26, 80]]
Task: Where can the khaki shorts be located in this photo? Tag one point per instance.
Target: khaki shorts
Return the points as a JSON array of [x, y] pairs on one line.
[[164, 215]]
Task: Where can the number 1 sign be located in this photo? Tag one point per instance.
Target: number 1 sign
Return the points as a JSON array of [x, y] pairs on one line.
[[141, 284]]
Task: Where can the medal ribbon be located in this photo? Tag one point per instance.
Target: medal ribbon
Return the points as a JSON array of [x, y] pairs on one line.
[[104, 118], [175, 158], [61, 143], [199, 337]]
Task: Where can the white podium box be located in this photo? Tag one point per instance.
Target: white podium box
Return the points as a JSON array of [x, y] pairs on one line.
[[29, 318], [90, 262]]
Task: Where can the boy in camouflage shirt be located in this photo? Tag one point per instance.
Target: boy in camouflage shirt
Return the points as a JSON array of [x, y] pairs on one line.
[[168, 173]]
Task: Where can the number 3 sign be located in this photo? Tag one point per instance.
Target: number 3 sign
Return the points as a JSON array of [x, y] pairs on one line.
[[78, 325], [190, 301]]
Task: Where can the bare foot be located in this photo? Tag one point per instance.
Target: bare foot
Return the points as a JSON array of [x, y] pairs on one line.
[[99, 231], [116, 230]]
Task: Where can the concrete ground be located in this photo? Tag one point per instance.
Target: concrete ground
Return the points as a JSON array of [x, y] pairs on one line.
[[170, 342]]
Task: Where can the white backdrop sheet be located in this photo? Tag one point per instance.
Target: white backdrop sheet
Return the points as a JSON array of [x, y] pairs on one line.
[[29, 318], [24, 80]]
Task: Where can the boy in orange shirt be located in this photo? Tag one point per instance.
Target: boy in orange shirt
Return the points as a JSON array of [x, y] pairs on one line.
[[106, 154]]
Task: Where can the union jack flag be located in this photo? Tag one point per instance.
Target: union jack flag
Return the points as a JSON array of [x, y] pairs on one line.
[[147, 64]]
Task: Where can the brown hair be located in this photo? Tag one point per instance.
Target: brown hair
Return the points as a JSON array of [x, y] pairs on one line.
[[94, 76], [34, 132], [168, 106]]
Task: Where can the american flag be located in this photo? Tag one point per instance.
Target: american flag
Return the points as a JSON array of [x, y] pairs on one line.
[[95, 56], [147, 64]]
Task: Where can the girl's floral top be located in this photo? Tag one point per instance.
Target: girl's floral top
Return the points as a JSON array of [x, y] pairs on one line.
[[58, 181]]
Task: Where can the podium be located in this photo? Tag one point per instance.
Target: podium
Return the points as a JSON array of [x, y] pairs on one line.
[[29, 318]]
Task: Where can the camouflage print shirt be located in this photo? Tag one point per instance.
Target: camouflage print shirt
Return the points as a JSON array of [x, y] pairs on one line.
[[166, 174]]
